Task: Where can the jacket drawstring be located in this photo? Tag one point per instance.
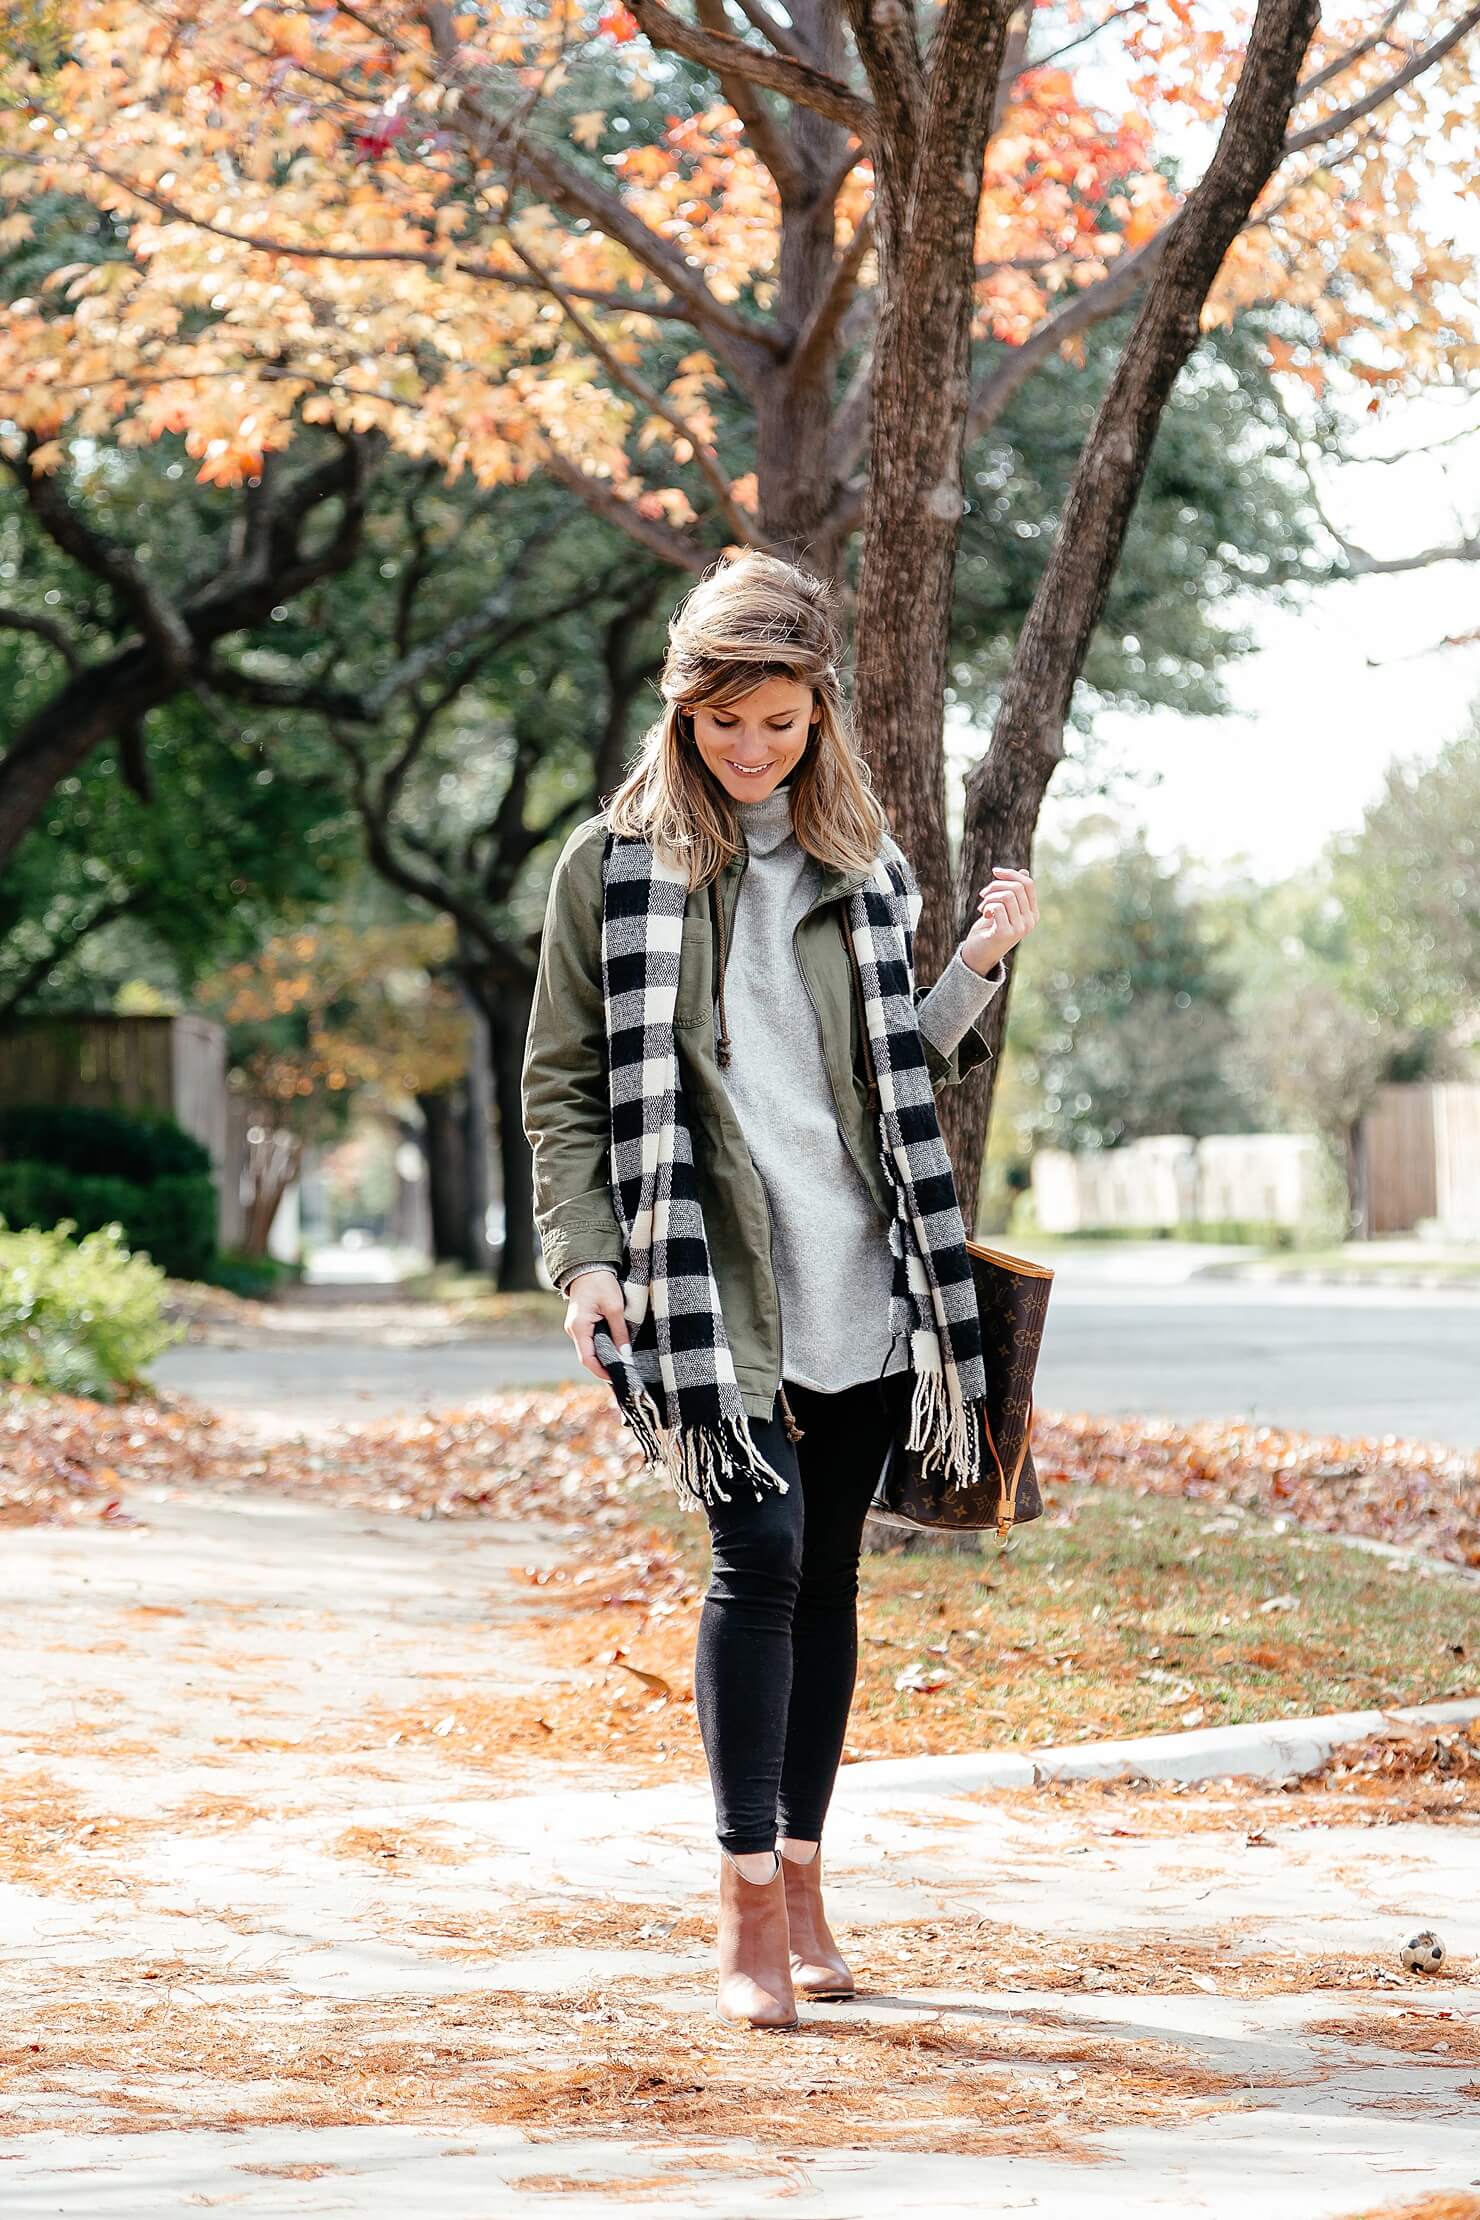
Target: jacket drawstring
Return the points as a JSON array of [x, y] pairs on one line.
[[788, 1415], [717, 912]]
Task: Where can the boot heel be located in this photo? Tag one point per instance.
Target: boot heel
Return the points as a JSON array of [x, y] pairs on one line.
[[819, 1970]]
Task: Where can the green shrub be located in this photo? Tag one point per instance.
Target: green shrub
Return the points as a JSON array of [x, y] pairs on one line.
[[95, 1167], [80, 1317], [136, 1145], [172, 1220], [240, 1274]]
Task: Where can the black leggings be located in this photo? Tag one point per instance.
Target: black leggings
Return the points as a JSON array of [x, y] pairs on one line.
[[777, 1653]]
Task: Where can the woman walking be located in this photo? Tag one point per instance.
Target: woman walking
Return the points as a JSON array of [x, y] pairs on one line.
[[752, 1216]]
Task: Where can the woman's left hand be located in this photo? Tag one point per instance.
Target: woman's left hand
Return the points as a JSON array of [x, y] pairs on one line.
[[1008, 912]]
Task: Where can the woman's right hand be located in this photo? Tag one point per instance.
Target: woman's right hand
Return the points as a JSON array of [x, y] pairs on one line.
[[591, 1297]]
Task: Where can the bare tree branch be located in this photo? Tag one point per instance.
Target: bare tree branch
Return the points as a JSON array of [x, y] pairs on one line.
[[1360, 562], [142, 597], [724, 53], [428, 887], [890, 53], [1426, 447], [21, 620], [1120, 285], [817, 338], [463, 675], [785, 42], [650, 532], [764, 132], [1329, 127], [708, 461], [1342, 62], [1092, 31], [79, 925]]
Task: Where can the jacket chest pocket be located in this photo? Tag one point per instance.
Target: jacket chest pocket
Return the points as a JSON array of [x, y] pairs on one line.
[[695, 971]]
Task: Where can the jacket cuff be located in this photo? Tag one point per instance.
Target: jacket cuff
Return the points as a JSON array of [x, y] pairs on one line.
[[583, 1230], [573, 1271], [957, 1000]]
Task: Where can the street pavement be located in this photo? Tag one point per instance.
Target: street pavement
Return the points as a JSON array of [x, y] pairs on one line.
[[1131, 1332]]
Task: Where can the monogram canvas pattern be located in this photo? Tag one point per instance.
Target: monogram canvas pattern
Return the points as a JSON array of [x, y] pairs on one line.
[[1012, 1303]]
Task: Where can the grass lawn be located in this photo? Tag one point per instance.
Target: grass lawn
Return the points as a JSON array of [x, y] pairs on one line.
[[1458, 1268], [1456, 1264], [1121, 1614]]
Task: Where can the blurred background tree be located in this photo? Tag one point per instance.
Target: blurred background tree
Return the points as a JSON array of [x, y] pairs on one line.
[[1125, 1017]]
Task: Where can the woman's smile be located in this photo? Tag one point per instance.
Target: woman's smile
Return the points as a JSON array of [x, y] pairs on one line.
[[775, 716]]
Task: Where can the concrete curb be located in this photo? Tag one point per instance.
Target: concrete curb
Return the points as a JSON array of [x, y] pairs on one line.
[[1266, 1750], [1400, 1558], [1395, 1277]]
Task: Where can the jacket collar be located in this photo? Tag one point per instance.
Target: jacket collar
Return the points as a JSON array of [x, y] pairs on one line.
[[834, 881]]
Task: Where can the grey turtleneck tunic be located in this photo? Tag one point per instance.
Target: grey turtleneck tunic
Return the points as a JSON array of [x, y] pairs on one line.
[[827, 1231]]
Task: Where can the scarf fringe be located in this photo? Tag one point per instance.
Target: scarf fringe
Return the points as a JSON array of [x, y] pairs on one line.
[[945, 1429], [694, 1458]]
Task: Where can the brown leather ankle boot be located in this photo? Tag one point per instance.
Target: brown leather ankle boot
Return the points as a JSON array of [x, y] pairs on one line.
[[818, 1967], [754, 1949]]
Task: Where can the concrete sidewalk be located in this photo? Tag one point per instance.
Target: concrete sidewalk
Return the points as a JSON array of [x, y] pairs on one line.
[[285, 1930]]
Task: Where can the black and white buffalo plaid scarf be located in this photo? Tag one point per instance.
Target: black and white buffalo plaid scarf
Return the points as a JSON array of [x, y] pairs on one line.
[[678, 1394]]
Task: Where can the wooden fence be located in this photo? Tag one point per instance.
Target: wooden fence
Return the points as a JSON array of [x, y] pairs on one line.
[[172, 1064], [1398, 1137]]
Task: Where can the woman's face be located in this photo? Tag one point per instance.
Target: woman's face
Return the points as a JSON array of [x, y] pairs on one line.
[[752, 743]]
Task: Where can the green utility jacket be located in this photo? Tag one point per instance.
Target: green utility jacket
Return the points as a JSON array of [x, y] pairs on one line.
[[566, 1110]]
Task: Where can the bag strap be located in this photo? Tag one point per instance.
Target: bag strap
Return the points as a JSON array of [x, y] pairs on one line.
[[1007, 1501], [859, 998]]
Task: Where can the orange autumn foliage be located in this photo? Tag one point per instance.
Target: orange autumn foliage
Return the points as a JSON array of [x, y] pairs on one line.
[[327, 1009], [316, 223]]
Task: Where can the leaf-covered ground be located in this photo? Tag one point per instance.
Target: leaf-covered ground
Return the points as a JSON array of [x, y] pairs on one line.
[[284, 1872], [1180, 1576]]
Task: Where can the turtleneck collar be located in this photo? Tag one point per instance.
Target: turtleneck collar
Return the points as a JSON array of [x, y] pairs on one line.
[[766, 822]]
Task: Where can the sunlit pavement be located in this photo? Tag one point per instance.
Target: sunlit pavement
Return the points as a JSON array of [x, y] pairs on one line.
[[243, 1888]]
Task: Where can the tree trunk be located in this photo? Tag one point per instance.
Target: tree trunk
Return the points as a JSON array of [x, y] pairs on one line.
[[927, 181], [272, 1165], [1005, 791], [902, 619], [1358, 1183], [795, 401], [444, 1145], [508, 1023], [476, 1119]]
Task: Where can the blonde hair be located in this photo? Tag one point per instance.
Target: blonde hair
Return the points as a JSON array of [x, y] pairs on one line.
[[749, 619]]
